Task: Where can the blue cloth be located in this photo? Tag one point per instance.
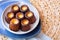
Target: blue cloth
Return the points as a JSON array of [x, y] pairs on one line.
[[41, 36]]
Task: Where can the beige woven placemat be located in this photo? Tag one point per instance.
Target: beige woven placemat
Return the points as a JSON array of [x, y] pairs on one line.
[[49, 11]]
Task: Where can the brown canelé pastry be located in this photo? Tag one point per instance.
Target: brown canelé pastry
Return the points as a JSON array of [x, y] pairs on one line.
[[24, 8], [19, 15], [25, 25], [9, 16], [26, 28], [15, 8], [30, 16], [14, 25]]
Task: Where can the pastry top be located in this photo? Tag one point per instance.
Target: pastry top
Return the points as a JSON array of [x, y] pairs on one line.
[[24, 7], [14, 21], [15, 7], [29, 14], [25, 22], [10, 14], [19, 15]]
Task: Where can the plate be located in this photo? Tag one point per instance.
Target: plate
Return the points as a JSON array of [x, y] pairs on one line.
[[32, 8]]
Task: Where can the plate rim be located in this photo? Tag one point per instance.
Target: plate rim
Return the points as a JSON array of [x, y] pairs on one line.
[[26, 32]]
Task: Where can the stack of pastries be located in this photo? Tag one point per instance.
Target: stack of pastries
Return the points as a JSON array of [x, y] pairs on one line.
[[20, 18]]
